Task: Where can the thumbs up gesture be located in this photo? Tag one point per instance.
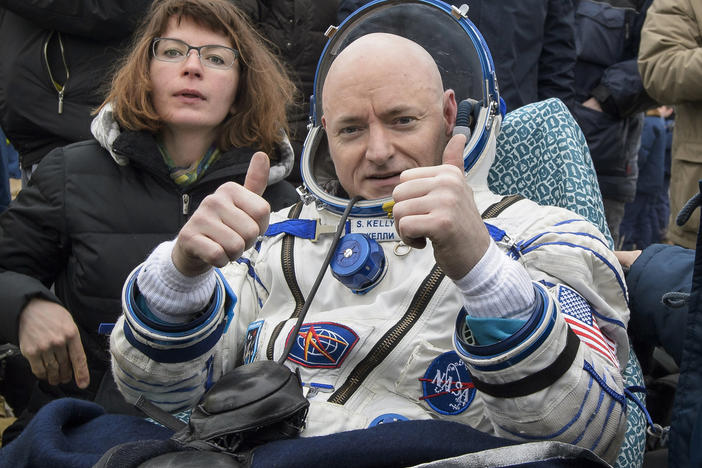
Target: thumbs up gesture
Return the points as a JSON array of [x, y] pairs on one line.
[[226, 223], [436, 203]]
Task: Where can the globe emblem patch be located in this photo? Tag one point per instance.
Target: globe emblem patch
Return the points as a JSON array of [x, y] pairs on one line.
[[322, 345]]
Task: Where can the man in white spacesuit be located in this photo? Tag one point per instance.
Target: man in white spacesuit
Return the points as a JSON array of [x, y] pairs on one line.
[[513, 323]]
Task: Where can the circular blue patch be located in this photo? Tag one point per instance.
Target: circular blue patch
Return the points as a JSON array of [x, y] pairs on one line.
[[447, 386], [387, 418]]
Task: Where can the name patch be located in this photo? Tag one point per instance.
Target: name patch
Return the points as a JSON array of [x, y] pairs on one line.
[[379, 229]]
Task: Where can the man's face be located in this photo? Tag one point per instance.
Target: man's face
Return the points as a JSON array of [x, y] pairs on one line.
[[383, 122]]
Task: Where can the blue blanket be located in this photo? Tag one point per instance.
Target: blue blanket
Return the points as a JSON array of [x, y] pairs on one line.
[[75, 433]]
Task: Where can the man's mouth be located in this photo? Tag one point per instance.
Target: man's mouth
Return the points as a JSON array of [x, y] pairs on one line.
[[389, 175]]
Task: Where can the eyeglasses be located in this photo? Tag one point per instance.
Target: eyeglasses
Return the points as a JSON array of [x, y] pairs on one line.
[[175, 50]]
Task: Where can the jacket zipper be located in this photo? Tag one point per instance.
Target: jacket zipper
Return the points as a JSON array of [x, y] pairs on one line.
[[288, 264], [391, 338], [60, 88], [186, 204]]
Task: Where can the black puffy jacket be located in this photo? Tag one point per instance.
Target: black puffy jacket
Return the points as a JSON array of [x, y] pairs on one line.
[[92, 34], [84, 222]]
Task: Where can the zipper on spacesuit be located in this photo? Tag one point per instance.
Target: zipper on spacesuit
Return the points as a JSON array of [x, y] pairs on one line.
[[186, 204], [497, 208], [287, 261], [391, 338], [419, 303]]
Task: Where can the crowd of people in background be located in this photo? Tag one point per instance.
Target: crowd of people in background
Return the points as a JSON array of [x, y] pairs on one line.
[[628, 70]]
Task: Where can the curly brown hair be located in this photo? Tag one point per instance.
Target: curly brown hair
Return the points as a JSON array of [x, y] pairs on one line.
[[264, 93]]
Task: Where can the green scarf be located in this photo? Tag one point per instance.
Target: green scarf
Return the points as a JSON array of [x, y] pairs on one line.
[[186, 175]]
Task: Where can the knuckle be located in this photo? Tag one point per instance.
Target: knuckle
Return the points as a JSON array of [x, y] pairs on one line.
[[261, 210], [236, 248], [56, 342], [250, 232]]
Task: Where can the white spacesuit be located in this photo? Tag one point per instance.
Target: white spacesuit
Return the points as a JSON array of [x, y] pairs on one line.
[[387, 336]]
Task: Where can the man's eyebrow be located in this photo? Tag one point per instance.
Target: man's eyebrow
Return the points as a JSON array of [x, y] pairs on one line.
[[400, 109], [348, 120]]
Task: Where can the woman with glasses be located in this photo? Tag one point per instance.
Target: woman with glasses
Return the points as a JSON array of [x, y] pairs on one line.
[[192, 102]]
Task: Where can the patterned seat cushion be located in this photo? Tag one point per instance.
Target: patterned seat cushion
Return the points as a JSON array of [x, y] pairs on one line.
[[542, 155]]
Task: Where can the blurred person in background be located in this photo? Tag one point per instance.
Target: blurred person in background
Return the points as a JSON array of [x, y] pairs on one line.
[[56, 55], [610, 98], [670, 61], [646, 218], [296, 29]]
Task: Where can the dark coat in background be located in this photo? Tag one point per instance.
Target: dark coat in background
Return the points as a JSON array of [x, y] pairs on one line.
[[686, 424], [646, 218], [296, 30], [532, 43], [607, 38], [32, 33]]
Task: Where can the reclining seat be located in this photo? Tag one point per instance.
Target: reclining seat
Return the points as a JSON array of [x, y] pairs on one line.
[[542, 155]]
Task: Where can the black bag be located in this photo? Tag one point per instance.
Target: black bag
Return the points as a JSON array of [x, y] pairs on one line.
[[249, 406]]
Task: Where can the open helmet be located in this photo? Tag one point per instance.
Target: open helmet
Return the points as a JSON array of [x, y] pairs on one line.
[[464, 62]]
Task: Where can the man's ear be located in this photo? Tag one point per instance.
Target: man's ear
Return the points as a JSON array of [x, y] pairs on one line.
[[450, 110], [324, 123]]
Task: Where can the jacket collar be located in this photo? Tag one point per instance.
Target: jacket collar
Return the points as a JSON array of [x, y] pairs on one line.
[[140, 149]]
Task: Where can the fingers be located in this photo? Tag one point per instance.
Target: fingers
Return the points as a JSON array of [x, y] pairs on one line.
[[78, 362], [63, 371], [627, 257], [453, 153], [257, 174], [50, 341], [220, 235], [226, 223], [235, 213]]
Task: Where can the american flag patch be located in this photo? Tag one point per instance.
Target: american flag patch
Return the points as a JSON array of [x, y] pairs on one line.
[[577, 312]]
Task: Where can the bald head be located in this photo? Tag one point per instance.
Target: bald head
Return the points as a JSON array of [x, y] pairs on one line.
[[379, 57], [384, 111]]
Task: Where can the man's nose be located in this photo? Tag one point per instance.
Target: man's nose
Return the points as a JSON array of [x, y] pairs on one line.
[[379, 148]]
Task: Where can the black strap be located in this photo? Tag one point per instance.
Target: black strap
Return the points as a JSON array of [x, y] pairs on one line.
[[539, 380], [159, 415]]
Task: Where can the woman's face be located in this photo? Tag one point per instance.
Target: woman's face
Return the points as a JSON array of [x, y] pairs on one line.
[[188, 96]]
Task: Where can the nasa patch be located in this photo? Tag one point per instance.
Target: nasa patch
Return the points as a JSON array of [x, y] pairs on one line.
[[251, 342], [447, 386], [387, 418], [322, 345]]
